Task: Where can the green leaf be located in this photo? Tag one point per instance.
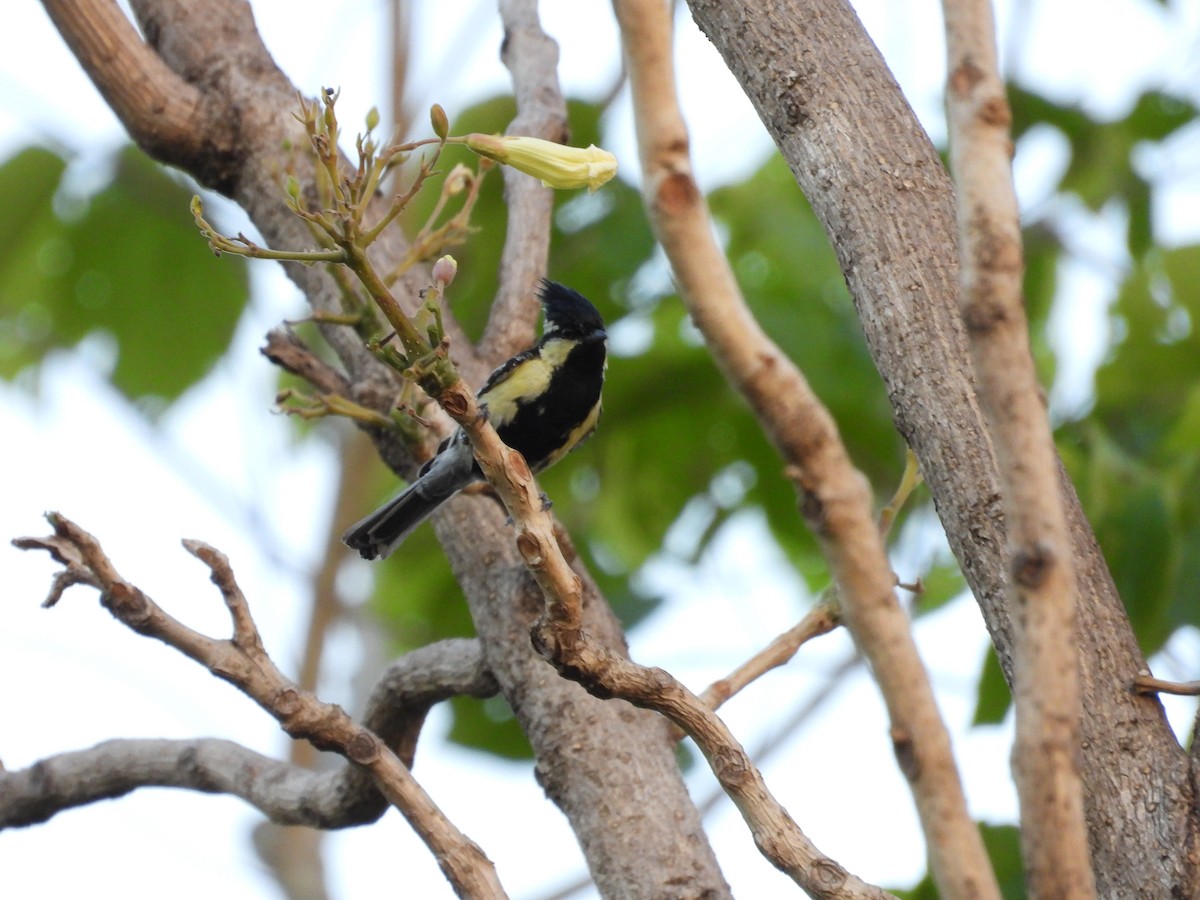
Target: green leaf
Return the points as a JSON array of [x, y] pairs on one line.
[[416, 596], [33, 249], [1101, 167], [28, 182], [1141, 518], [941, 583], [795, 288], [131, 265], [488, 725], [995, 697], [1145, 385], [1003, 845]]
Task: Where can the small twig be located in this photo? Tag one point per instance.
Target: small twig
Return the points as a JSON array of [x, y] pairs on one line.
[[286, 350], [1145, 683], [604, 674], [821, 619], [245, 632], [244, 663], [321, 405], [908, 483]]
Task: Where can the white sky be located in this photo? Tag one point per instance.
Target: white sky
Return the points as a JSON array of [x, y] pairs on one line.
[[72, 677]]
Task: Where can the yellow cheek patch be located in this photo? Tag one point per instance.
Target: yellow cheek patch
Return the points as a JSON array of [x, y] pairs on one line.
[[529, 379]]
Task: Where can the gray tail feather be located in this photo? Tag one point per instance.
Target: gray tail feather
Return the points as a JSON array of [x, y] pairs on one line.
[[439, 480], [384, 530]]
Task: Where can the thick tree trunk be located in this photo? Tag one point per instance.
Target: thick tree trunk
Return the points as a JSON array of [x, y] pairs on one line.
[[878, 185]]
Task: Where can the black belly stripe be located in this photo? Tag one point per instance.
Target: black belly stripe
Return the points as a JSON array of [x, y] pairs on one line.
[[541, 427]]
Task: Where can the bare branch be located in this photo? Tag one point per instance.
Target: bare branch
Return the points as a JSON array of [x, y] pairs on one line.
[[160, 109], [287, 351], [1042, 576], [1146, 683], [834, 497], [820, 620], [877, 184], [244, 663], [114, 768], [776, 834], [531, 56], [286, 793]]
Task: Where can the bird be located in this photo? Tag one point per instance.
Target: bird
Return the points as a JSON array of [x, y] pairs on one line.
[[544, 402]]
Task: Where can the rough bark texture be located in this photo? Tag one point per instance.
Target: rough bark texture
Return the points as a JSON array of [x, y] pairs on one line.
[[834, 497], [877, 184], [630, 809], [1046, 751], [567, 728], [285, 792]]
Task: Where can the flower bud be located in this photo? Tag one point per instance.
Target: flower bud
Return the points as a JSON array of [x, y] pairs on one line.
[[439, 121], [556, 165], [444, 270]]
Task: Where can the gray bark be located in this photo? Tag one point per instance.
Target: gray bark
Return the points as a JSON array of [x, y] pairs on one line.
[[878, 186], [629, 808]]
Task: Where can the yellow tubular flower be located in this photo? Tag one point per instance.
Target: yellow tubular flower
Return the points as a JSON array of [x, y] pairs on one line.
[[556, 165]]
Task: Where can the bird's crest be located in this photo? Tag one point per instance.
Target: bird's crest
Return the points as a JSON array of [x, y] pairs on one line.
[[568, 311]]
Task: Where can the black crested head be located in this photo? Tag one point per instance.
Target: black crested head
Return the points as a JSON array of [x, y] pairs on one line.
[[568, 312]]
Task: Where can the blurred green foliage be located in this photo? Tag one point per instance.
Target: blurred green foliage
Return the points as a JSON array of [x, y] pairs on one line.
[[1133, 455], [125, 261], [1003, 844]]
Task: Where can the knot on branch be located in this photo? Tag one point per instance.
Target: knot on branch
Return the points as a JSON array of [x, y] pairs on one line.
[[455, 403], [965, 77], [828, 874], [659, 681], [287, 702], [906, 754], [530, 549], [363, 748], [677, 192], [1031, 565], [811, 506], [732, 769], [982, 317], [129, 604], [517, 463]]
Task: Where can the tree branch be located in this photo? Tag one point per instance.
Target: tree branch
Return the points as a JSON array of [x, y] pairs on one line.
[[1042, 577], [159, 108], [821, 619], [834, 497], [286, 793], [531, 57], [244, 663], [285, 349], [879, 188], [606, 675], [1146, 683]]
